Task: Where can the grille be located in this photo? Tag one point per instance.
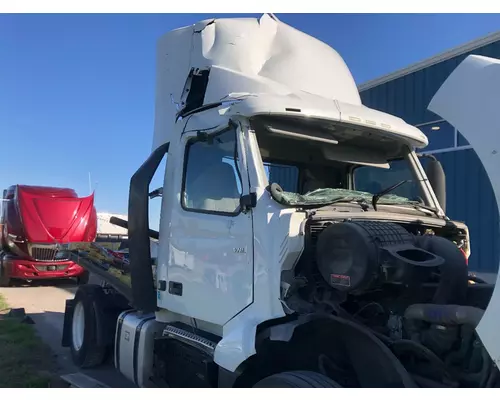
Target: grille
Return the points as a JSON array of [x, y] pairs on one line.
[[45, 268], [48, 254], [315, 229]]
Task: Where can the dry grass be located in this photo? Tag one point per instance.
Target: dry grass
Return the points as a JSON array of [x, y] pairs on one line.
[[25, 361]]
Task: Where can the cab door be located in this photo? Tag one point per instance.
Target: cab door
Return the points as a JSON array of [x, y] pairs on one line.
[[210, 251]]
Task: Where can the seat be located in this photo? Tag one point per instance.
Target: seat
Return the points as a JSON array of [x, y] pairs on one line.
[[215, 189]]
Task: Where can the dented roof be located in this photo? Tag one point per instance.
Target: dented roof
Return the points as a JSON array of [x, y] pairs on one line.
[[264, 63]]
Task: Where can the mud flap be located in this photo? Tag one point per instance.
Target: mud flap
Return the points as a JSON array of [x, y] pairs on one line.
[[68, 320], [106, 316]]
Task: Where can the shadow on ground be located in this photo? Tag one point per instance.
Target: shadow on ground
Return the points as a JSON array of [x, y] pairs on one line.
[[68, 285], [49, 327]]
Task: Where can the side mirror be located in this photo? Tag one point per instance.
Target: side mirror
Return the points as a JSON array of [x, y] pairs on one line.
[[437, 178], [156, 193]]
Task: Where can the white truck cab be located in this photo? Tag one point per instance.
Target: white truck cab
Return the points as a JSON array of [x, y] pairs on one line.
[[354, 277]]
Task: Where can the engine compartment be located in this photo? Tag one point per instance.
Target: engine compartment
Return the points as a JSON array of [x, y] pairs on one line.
[[409, 285]]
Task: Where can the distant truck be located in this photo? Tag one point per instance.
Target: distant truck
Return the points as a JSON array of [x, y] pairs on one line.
[[35, 223]]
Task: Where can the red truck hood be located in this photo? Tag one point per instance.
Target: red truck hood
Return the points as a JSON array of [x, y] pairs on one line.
[[53, 219]]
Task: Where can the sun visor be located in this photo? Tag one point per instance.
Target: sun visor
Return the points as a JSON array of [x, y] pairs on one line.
[[355, 156]]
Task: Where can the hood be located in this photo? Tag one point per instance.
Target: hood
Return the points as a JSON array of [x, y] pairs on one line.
[[47, 218], [468, 100]]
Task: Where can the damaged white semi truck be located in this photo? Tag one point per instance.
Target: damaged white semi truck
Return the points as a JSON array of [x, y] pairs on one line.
[[328, 286]]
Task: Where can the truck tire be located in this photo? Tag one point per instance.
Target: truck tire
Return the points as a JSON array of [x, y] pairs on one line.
[[297, 379], [85, 351]]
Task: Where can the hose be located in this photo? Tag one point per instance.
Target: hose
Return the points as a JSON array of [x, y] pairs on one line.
[[453, 284], [404, 345], [445, 314]]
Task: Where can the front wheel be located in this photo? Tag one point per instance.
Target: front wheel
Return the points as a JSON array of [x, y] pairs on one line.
[[297, 379]]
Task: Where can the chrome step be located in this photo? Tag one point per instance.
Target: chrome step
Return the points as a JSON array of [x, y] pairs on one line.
[[79, 380]]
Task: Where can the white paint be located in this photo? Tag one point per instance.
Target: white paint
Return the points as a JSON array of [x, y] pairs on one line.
[[230, 266], [262, 66], [227, 291], [209, 254], [470, 100], [106, 227]]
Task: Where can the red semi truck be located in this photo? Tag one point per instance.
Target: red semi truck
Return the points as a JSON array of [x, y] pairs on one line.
[[35, 223]]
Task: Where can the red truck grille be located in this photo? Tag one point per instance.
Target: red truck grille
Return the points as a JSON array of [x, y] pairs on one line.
[[40, 253], [48, 268]]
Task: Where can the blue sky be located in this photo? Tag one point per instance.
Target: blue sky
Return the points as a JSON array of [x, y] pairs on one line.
[[77, 91]]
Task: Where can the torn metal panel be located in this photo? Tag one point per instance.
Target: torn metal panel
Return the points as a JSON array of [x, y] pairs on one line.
[[246, 55], [266, 64]]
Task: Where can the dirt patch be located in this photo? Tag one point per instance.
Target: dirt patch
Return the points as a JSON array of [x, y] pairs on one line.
[[25, 361]]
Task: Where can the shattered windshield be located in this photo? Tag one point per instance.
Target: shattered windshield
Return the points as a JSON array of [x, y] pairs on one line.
[[329, 196], [366, 182]]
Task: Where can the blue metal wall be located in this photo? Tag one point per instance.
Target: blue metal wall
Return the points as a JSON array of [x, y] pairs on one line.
[[470, 197], [409, 96]]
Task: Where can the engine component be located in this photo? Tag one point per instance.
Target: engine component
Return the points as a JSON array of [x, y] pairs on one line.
[[453, 282], [355, 256], [445, 314]]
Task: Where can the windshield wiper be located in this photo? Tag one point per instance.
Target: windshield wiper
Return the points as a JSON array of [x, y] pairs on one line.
[[349, 199], [376, 197]]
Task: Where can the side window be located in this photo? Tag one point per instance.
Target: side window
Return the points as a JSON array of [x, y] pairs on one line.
[[211, 179], [287, 176]]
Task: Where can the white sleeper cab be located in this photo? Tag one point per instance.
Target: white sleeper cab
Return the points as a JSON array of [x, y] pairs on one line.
[[353, 277]]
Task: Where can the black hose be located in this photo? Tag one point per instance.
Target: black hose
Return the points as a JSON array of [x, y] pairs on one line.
[[453, 283], [445, 314], [481, 377], [404, 345]]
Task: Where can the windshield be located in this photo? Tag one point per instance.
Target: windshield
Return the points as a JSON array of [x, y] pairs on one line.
[[374, 180], [366, 181]]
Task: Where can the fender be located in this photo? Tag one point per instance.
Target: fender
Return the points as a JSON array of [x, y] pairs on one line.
[[373, 362]]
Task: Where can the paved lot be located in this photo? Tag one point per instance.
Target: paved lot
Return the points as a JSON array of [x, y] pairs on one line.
[[45, 302]]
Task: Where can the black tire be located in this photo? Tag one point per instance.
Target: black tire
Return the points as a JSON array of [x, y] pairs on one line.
[[83, 279], [89, 354], [297, 379]]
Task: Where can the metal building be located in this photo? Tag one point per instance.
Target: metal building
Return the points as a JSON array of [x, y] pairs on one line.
[[407, 93]]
